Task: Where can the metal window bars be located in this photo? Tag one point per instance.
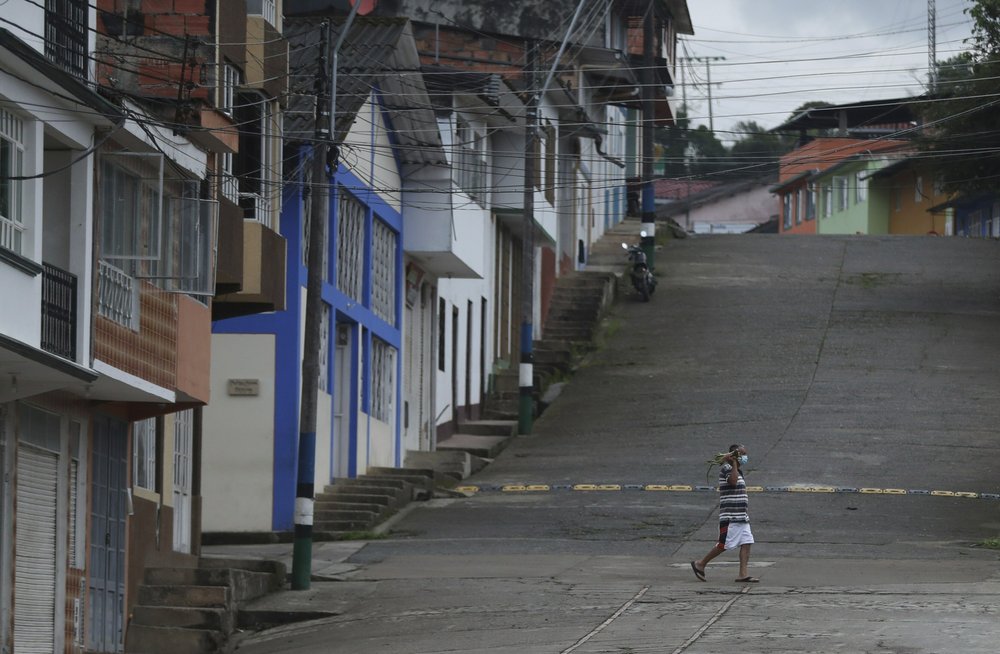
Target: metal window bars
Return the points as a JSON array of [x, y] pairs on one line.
[[350, 245], [117, 295], [383, 380], [383, 302]]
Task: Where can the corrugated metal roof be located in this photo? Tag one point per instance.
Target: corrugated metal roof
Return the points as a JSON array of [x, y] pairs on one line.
[[378, 54]]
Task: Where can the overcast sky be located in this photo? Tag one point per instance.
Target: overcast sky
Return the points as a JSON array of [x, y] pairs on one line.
[[782, 53]]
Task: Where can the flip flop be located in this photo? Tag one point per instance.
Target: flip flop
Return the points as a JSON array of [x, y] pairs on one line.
[[747, 580], [698, 573]]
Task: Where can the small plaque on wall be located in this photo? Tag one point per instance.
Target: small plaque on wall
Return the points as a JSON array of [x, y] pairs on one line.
[[244, 387]]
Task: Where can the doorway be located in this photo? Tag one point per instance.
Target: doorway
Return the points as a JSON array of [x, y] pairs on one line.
[[183, 438], [343, 391], [106, 585]]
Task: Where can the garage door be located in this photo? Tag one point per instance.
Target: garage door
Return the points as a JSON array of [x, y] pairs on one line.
[[35, 564]]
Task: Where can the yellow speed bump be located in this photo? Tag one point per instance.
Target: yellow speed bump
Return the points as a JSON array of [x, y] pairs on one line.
[[813, 489], [681, 487], [941, 493], [966, 494], [755, 489], [537, 488], [656, 487], [513, 488], [895, 491], [597, 487], [871, 491], [467, 489]]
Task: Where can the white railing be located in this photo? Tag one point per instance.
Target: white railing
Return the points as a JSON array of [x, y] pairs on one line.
[[230, 187], [117, 295], [256, 207]]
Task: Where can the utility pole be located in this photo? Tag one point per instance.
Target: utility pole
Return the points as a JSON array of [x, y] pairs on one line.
[[526, 382], [324, 166], [526, 373], [931, 46], [708, 77], [648, 242]]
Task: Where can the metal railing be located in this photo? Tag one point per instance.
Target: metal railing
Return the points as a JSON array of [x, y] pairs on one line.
[[117, 295], [256, 207], [58, 312]]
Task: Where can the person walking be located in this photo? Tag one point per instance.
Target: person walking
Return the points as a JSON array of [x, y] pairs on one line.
[[734, 519]]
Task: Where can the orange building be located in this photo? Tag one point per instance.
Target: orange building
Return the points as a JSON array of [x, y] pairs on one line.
[[797, 195]]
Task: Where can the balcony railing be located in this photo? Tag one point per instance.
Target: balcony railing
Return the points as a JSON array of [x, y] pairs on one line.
[[117, 295], [256, 207], [58, 312], [266, 8]]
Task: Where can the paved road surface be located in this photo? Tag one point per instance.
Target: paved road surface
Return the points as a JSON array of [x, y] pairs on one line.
[[851, 363]]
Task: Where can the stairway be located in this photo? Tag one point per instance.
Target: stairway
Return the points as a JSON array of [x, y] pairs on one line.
[[578, 304], [194, 610], [359, 504]]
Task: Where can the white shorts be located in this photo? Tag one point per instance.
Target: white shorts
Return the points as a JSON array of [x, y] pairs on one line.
[[738, 534]]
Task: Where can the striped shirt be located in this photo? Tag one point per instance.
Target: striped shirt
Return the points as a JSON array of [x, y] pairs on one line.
[[733, 499]]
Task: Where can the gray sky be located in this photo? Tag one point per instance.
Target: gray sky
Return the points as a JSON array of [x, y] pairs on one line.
[[782, 53]]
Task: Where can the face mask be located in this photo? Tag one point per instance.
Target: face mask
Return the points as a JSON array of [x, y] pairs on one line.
[[743, 459]]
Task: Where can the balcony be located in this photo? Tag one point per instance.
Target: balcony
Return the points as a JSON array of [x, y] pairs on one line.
[[263, 282], [58, 312]]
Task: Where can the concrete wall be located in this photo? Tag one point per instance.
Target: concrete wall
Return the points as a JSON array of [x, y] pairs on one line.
[[746, 209], [237, 452]]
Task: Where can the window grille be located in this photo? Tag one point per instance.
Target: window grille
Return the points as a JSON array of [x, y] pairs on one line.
[[787, 209], [350, 245], [827, 200], [811, 199], [918, 190], [131, 198], [11, 165], [384, 272], [383, 380], [66, 34], [798, 206], [144, 454], [117, 295]]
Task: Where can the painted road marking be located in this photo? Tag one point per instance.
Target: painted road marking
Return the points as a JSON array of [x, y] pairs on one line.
[[473, 489]]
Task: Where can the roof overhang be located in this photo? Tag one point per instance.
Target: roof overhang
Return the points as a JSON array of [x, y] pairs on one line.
[[852, 115], [513, 219], [26, 371]]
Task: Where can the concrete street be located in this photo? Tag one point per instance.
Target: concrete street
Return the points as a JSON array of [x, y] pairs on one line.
[[850, 363]]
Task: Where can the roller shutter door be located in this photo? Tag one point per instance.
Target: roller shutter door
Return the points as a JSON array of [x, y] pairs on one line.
[[35, 554]]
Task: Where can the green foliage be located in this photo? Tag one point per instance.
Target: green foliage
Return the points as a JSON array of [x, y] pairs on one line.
[[963, 119], [699, 153]]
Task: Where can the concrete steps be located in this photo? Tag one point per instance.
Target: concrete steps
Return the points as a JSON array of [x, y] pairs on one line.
[[363, 502], [193, 610], [484, 439]]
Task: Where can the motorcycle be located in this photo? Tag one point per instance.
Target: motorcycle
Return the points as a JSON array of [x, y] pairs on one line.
[[642, 278]]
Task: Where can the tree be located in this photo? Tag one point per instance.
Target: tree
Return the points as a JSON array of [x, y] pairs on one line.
[[962, 118], [757, 150]]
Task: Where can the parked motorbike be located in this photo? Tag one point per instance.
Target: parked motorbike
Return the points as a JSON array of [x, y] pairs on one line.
[[642, 278]]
